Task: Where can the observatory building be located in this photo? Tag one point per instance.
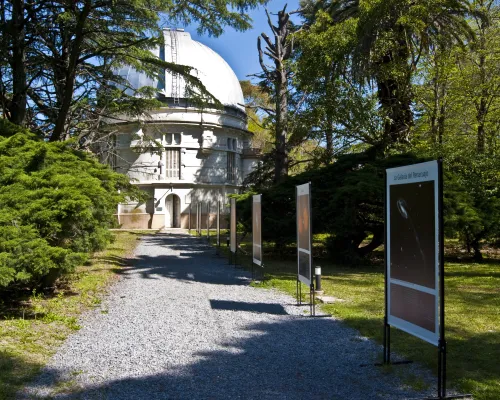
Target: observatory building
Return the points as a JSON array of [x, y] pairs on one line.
[[200, 155]]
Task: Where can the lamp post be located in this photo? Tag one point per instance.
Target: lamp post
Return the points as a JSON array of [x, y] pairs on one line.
[[317, 275]]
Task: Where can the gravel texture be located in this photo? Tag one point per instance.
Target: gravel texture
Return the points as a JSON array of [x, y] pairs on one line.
[[183, 324]]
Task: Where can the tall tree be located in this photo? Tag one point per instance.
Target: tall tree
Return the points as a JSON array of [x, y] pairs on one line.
[[339, 111], [256, 100], [457, 104], [390, 38], [60, 54], [480, 71], [279, 51]]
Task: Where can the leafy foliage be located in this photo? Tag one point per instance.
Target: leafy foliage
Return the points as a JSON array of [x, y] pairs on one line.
[[347, 202], [388, 77], [382, 45], [59, 72], [457, 107], [56, 206]]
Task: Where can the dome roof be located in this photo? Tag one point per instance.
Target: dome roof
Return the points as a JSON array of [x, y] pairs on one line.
[[213, 71]]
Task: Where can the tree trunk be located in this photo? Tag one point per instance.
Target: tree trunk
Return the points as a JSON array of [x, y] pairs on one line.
[[441, 122], [394, 95], [478, 257], [441, 116], [18, 104], [69, 81], [397, 107], [434, 112], [329, 139], [279, 51], [281, 161], [481, 105]]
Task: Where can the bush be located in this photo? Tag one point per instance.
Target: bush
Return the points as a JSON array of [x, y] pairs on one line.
[[347, 203], [472, 200], [56, 206]]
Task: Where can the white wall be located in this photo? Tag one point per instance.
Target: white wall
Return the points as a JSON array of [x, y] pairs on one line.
[[205, 165]]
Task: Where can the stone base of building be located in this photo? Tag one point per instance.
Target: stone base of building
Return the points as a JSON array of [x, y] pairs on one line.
[[157, 221]]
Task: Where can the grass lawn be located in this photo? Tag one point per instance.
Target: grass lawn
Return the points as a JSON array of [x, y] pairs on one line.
[[472, 314], [33, 328]]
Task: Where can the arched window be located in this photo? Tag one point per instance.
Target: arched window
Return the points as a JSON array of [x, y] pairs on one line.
[[177, 138], [235, 144], [229, 142]]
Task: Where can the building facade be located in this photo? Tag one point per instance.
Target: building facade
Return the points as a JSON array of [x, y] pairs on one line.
[[183, 155]]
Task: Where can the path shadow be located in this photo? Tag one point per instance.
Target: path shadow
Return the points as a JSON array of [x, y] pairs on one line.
[[196, 262], [15, 371], [292, 358], [266, 308], [289, 358]]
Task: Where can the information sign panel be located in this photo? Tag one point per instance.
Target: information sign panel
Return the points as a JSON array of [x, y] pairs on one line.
[[233, 226], [208, 220], [304, 245], [218, 223], [412, 229], [256, 229], [197, 218]]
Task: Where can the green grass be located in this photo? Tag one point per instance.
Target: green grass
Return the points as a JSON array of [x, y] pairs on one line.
[[472, 315], [32, 329]]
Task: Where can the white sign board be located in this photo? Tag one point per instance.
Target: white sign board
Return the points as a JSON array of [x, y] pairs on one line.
[[218, 223], [233, 226], [256, 229], [412, 224], [304, 236]]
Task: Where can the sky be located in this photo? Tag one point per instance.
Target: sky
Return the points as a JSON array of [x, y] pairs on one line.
[[239, 49]]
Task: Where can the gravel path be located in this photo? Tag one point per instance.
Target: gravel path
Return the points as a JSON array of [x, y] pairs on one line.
[[182, 324]]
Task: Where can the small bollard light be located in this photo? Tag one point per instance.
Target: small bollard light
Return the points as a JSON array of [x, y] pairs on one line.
[[227, 241], [317, 274]]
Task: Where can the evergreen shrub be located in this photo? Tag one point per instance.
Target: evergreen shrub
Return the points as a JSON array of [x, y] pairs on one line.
[[56, 207], [347, 204]]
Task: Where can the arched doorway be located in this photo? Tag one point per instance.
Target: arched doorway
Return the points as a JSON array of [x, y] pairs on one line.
[[172, 211]]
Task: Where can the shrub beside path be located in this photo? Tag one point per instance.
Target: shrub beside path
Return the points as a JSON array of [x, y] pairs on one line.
[[182, 324]]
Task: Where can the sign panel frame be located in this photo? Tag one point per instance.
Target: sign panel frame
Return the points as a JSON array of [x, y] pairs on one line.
[[200, 209], [197, 218], [208, 220], [257, 229], [304, 233], [413, 254], [233, 225], [218, 222]]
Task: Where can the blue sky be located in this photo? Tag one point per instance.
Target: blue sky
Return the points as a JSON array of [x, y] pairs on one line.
[[239, 49]]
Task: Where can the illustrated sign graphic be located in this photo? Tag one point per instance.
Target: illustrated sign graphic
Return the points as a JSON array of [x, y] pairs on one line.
[[412, 223], [304, 246], [233, 226], [256, 229]]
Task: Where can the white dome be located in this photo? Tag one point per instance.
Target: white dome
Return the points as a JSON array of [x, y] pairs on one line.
[[213, 71]]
